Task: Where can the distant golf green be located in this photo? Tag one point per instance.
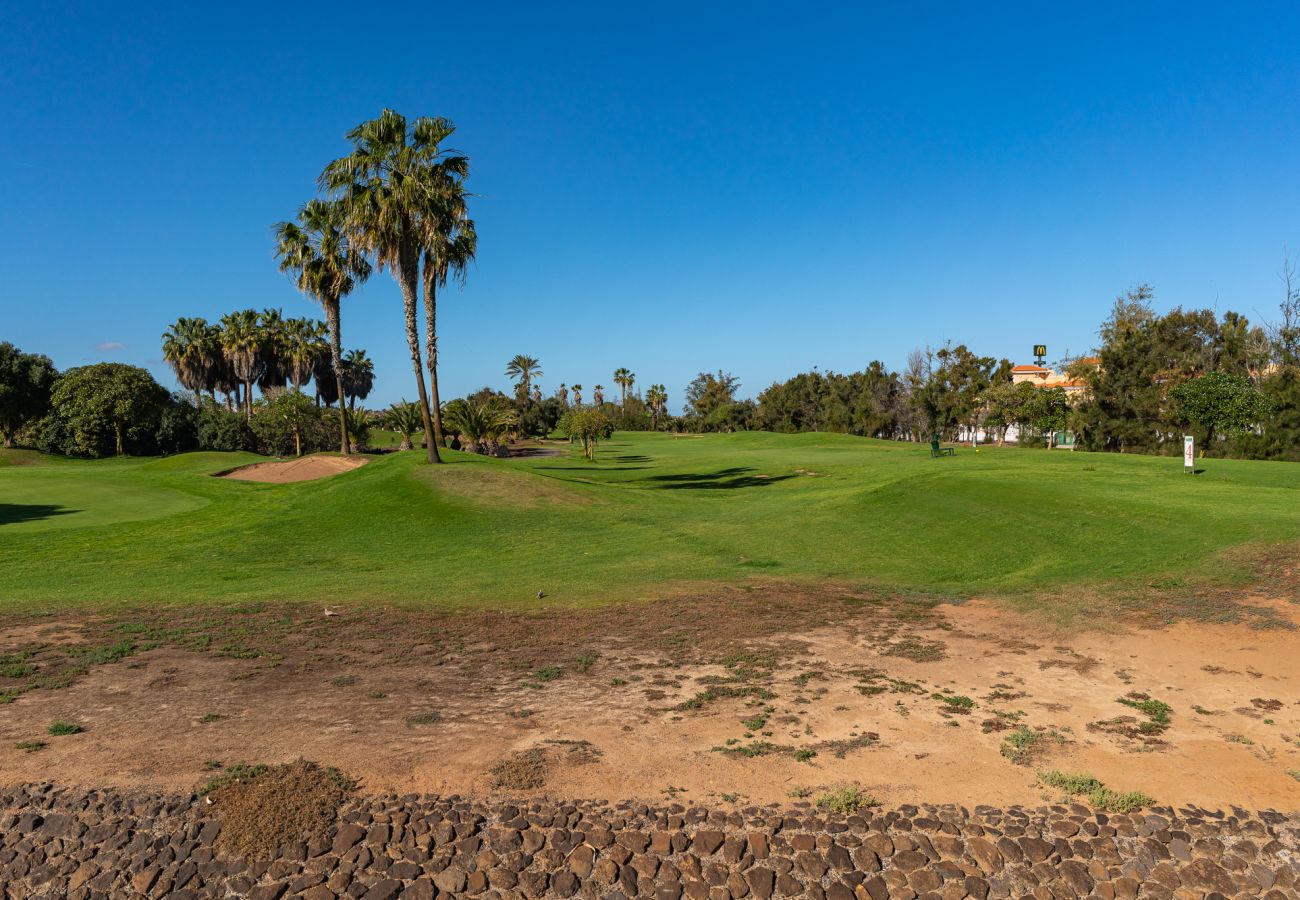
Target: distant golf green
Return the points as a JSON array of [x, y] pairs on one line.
[[655, 514]]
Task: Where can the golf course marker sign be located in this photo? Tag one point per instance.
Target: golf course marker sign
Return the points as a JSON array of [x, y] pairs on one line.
[[1189, 454]]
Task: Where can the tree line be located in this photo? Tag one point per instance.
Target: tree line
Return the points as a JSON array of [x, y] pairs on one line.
[[1233, 385]]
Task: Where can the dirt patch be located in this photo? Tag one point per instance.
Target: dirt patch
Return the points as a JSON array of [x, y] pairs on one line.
[[748, 694], [308, 468], [261, 808]]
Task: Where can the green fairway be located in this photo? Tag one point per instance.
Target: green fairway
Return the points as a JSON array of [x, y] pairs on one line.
[[656, 513]]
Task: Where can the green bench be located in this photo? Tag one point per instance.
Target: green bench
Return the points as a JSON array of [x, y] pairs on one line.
[[936, 450]]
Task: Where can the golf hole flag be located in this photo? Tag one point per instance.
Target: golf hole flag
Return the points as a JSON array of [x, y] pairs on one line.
[[1189, 453]]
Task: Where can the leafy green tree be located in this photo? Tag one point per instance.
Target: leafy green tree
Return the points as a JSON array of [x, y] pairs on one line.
[[106, 404], [1218, 403], [26, 380], [708, 392], [293, 410], [224, 430], [587, 427]]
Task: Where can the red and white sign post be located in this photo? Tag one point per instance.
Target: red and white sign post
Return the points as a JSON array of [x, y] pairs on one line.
[[1189, 454]]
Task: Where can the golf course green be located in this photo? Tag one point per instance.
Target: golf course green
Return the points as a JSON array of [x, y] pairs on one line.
[[655, 514]]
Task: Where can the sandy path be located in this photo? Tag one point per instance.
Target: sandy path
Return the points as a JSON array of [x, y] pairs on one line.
[[306, 468]]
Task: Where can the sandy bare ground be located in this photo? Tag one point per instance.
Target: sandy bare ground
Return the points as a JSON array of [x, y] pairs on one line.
[[306, 468], [916, 704]]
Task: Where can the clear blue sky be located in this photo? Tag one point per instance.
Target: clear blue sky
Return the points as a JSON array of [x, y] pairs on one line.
[[670, 187]]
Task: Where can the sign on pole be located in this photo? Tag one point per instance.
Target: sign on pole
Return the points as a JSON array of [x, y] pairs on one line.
[[1189, 453]]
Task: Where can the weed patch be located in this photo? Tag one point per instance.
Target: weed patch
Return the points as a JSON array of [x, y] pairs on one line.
[[845, 800]]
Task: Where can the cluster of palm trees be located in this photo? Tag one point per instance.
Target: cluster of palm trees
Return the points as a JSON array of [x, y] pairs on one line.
[[523, 369], [247, 348], [396, 201]]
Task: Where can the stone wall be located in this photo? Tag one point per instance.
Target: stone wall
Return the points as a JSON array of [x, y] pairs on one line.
[[98, 844]]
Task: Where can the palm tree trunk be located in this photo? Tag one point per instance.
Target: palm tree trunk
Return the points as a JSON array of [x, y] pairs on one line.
[[431, 338], [336, 364], [408, 276]]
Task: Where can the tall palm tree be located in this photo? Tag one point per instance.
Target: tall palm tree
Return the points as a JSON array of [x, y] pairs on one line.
[[326, 265], [241, 343], [624, 379], [523, 369], [358, 376], [657, 399], [563, 394], [388, 187], [598, 395], [577, 395], [189, 347], [450, 243]]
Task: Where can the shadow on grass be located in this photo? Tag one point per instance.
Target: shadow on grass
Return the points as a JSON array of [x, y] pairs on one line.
[[723, 479], [13, 513]]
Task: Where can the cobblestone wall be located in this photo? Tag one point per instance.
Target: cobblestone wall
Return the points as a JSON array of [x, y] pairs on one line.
[[101, 844]]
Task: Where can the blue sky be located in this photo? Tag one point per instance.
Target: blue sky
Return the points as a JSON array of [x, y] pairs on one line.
[[668, 187]]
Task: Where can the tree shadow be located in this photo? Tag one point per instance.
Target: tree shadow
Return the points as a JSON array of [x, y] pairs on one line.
[[723, 479], [630, 457], [13, 513]]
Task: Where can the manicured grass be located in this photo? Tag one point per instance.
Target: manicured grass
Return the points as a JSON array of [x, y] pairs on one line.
[[655, 514]]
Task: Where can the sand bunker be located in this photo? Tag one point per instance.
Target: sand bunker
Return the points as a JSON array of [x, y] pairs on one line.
[[304, 469]]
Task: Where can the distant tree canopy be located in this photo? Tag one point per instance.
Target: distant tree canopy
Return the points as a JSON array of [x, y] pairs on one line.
[[26, 380]]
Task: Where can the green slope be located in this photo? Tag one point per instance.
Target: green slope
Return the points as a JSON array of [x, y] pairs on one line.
[[656, 513]]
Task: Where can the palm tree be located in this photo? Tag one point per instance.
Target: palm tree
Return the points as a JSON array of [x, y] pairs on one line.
[[326, 266], [358, 376], [241, 343], [450, 243], [389, 187], [577, 395], [523, 369], [656, 398], [190, 348], [624, 379], [598, 395], [563, 394], [358, 425], [271, 323], [480, 425], [302, 339], [404, 418]]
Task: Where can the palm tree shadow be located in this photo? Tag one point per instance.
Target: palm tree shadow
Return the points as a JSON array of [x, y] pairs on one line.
[[13, 513], [723, 479]]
